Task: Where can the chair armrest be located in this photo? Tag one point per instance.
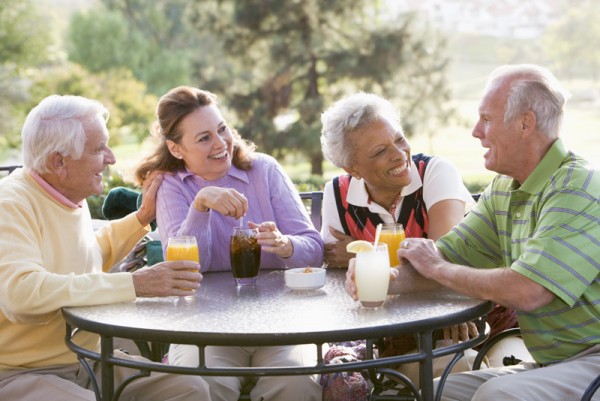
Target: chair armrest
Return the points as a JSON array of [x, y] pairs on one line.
[[491, 342]]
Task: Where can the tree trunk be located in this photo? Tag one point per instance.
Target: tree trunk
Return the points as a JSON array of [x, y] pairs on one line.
[[316, 164]]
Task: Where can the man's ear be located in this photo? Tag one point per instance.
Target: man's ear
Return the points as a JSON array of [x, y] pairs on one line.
[[56, 164], [528, 121]]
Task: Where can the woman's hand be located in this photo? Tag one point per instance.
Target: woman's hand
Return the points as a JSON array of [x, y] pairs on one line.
[[226, 201], [335, 252], [460, 332], [272, 240], [350, 284]]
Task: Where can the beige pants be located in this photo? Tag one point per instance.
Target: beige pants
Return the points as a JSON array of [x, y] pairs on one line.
[[506, 347], [72, 383], [564, 381], [268, 388]]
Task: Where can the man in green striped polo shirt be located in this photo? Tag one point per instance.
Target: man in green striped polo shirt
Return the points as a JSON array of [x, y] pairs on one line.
[[532, 243]]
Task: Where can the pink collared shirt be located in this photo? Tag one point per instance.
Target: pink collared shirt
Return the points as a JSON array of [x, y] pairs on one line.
[[53, 192]]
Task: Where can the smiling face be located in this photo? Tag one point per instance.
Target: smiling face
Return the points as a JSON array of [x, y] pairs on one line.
[[80, 178], [206, 145], [503, 141], [381, 156]]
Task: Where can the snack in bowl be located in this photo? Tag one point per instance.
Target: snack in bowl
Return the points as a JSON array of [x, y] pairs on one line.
[[305, 278]]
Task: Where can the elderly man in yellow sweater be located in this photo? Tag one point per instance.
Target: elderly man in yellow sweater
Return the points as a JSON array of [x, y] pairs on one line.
[[50, 257]]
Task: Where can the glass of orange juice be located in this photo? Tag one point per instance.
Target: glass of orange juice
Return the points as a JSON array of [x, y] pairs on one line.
[[183, 247], [392, 234]]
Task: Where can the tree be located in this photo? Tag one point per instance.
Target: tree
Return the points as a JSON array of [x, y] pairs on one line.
[[131, 107], [23, 42], [573, 40], [142, 36], [23, 33], [294, 58]]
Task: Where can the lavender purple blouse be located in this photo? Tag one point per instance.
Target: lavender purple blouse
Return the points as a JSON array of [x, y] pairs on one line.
[[271, 197]]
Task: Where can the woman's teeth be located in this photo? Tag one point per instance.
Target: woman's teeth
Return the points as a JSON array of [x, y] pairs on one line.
[[218, 155]]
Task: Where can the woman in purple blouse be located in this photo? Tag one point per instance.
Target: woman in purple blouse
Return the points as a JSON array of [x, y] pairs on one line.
[[215, 179]]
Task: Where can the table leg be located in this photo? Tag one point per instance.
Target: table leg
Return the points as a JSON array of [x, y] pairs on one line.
[[108, 377], [426, 365]]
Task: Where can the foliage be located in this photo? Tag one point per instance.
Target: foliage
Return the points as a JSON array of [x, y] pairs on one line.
[[19, 48], [295, 58], [573, 40], [23, 33], [131, 108], [141, 36], [310, 184]]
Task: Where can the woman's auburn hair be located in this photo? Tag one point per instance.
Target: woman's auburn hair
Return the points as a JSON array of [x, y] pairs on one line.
[[171, 109]]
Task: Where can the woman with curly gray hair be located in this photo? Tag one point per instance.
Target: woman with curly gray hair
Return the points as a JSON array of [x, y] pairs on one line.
[[385, 183]]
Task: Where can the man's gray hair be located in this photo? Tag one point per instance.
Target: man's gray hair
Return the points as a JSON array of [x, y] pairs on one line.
[[348, 114], [533, 88], [58, 124]]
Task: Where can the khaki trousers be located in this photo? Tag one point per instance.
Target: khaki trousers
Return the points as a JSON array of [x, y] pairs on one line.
[[268, 388], [564, 381], [72, 383]]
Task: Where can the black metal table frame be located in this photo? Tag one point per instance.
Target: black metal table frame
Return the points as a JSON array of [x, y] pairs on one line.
[[376, 367]]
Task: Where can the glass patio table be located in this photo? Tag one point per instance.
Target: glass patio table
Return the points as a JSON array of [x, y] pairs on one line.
[[272, 314]]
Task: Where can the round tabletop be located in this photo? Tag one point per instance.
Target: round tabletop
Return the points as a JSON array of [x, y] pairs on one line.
[[272, 314]]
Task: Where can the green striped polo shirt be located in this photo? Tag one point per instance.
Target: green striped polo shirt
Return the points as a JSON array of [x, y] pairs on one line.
[[547, 229]]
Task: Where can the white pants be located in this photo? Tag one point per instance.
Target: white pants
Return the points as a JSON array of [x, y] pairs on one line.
[[268, 388]]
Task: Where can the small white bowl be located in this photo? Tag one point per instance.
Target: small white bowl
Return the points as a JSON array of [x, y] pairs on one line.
[[305, 278]]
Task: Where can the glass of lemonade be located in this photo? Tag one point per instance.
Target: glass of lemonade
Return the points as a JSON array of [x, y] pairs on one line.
[[372, 276], [392, 234], [244, 252], [183, 247]]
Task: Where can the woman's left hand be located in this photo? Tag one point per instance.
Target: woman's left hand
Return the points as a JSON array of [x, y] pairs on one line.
[[461, 332], [272, 240]]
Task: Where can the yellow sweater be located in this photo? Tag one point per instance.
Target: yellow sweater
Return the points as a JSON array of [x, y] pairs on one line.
[[50, 257]]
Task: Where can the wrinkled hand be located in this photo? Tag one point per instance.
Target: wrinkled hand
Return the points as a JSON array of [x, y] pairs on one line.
[[335, 252], [147, 210], [423, 256], [461, 332], [272, 240], [226, 201], [177, 278]]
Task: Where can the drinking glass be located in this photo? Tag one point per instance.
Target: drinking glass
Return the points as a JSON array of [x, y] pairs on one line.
[[372, 276], [392, 234], [244, 252], [183, 248]]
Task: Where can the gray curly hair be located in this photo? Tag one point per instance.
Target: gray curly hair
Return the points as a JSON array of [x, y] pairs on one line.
[[348, 114]]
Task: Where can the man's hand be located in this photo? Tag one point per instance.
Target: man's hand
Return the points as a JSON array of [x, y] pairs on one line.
[[422, 255], [147, 211], [335, 252], [177, 278]]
